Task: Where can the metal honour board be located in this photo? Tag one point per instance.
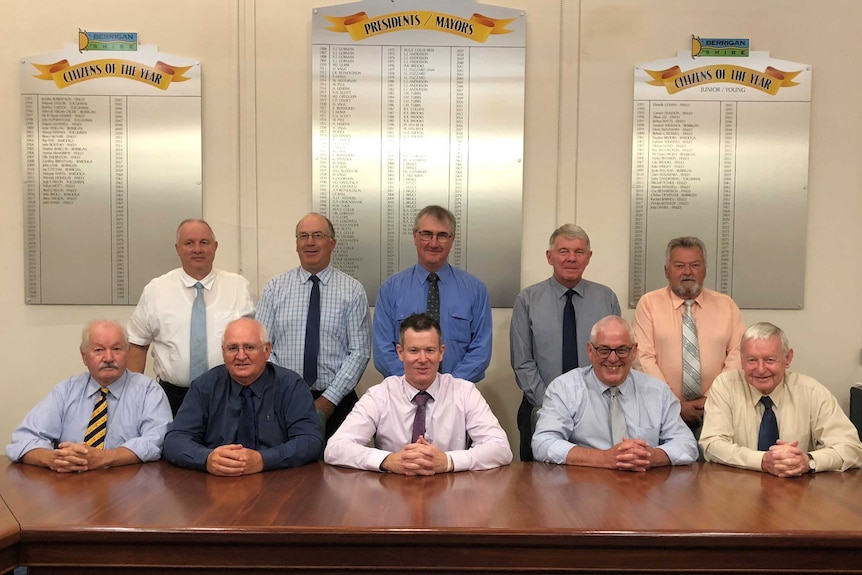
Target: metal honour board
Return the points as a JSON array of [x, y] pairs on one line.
[[418, 103], [111, 163], [720, 151]]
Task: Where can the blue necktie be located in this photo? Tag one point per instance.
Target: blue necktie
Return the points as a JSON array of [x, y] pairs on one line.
[[198, 336], [768, 426], [312, 334], [570, 334], [246, 432]]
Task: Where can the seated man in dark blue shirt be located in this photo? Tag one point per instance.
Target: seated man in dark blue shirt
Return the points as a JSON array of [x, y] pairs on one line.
[[247, 415]]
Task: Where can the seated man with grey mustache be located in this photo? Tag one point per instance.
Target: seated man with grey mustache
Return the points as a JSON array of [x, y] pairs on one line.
[[609, 415], [107, 416]]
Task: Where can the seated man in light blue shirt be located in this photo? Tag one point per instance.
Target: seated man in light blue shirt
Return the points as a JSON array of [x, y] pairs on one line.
[[608, 415], [61, 432], [461, 305]]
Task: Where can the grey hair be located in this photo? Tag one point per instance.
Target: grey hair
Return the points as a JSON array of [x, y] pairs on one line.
[[597, 327], [571, 232], [684, 242], [85, 333], [439, 213], [764, 331]]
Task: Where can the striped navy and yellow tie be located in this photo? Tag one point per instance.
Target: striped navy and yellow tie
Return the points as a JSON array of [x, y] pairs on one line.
[[98, 427]]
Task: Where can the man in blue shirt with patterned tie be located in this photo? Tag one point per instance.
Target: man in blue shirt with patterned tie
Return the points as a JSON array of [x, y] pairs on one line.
[[456, 299], [333, 366], [105, 417]]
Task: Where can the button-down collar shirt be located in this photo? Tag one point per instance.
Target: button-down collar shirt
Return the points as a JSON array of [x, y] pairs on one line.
[[345, 330], [806, 412], [138, 416], [162, 318], [658, 327], [465, 320], [576, 412], [288, 429], [535, 333], [455, 415]]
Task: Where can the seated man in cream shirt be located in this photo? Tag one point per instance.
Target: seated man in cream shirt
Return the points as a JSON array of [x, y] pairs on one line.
[[812, 434], [456, 432]]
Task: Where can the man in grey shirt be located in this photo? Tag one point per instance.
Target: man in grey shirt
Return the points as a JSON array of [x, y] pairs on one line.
[[536, 332]]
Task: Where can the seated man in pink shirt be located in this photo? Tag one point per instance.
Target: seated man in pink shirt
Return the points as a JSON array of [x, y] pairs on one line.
[[422, 422]]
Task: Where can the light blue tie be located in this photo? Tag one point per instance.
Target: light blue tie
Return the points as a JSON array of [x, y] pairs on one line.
[[198, 336]]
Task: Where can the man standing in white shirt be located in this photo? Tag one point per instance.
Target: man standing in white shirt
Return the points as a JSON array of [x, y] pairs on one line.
[[164, 315], [452, 429]]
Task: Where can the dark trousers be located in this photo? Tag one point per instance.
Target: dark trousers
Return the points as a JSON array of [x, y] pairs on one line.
[[175, 394], [525, 426], [341, 410]]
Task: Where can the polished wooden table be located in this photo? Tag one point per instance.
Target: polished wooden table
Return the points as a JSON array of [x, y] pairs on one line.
[[9, 535], [522, 518]]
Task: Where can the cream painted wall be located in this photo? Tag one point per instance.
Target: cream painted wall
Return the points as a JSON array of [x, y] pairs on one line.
[[257, 156]]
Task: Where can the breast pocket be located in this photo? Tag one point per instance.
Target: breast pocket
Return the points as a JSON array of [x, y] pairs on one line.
[[460, 326]]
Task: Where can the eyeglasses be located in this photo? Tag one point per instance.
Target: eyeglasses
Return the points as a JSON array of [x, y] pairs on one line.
[[442, 237], [316, 236], [233, 349], [604, 351]]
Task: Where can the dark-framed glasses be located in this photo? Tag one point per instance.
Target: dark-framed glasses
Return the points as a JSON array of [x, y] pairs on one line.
[[604, 351], [442, 237]]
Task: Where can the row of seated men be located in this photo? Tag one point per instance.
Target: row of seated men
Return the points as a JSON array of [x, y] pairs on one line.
[[250, 414]]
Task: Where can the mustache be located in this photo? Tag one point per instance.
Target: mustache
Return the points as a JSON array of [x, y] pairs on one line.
[[108, 365]]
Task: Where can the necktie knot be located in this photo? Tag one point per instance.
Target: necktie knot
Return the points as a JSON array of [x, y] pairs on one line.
[[314, 278], [688, 304], [569, 294], [767, 402], [433, 277], [103, 390], [245, 391], [421, 398], [199, 286]]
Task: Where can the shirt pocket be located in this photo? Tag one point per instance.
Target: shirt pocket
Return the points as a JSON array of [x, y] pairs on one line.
[[460, 325], [648, 434]]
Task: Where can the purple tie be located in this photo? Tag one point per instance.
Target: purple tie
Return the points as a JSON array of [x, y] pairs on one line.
[[420, 399]]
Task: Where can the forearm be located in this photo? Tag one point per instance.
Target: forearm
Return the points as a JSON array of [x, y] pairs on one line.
[[137, 358], [589, 457], [40, 457]]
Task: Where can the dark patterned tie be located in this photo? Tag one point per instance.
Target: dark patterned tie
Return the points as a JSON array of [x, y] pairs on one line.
[[768, 426], [312, 334], [98, 427], [433, 296], [570, 334], [420, 399], [246, 431]]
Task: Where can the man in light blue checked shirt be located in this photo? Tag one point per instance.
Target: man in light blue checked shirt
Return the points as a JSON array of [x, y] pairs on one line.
[[344, 328]]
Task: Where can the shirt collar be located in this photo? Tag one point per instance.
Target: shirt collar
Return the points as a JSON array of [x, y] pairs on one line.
[[189, 281], [678, 301], [443, 273], [590, 378], [560, 290], [776, 395], [323, 274], [410, 391], [115, 389]]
